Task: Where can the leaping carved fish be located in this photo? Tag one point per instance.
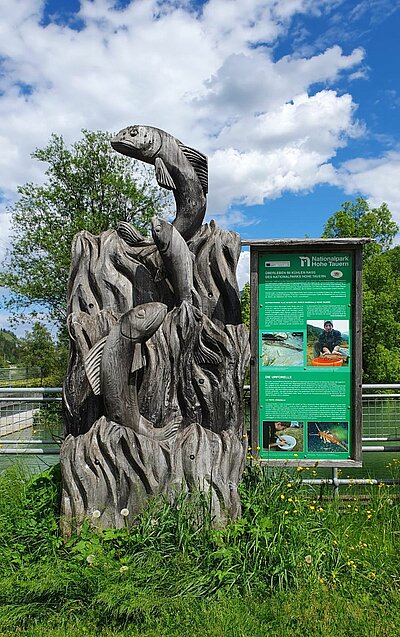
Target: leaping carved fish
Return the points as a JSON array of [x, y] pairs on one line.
[[109, 366], [178, 168], [178, 260]]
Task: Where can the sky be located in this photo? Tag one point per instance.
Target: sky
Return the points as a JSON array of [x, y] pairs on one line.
[[295, 102]]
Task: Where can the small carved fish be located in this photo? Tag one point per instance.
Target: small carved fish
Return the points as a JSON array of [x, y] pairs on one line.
[[177, 259], [109, 366], [178, 168]]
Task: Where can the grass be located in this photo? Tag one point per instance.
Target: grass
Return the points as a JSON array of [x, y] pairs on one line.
[[292, 565]]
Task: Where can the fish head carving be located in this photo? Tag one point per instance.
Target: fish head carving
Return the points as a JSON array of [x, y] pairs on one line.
[[162, 233], [140, 142], [140, 323]]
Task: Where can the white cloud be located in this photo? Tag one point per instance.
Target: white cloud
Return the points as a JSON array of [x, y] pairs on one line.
[[283, 150], [4, 230], [377, 179], [207, 76], [243, 268]]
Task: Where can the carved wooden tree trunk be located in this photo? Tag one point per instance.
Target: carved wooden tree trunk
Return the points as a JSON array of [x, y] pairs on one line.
[[153, 394]]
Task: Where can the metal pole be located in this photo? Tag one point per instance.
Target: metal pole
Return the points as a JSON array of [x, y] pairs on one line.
[[335, 482]]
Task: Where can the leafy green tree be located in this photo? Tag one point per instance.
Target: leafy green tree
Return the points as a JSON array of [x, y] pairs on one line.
[[381, 318], [245, 304], [381, 285], [88, 187], [8, 348], [37, 349], [357, 219]]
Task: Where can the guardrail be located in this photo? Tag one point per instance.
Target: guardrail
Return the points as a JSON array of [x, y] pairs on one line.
[[30, 409], [37, 407]]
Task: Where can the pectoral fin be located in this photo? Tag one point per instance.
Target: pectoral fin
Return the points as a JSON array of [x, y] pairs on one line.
[[163, 177], [204, 355], [92, 365], [129, 234], [138, 360]]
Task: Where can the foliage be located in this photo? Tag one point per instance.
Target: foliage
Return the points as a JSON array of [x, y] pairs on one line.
[[37, 349], [381, 318], [381, 287], [8, 348], [289, 557], [357, 219], [88, 187], [245, 304]]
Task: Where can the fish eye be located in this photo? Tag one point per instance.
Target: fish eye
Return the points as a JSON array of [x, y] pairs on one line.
[[133, 131], [141, 314]]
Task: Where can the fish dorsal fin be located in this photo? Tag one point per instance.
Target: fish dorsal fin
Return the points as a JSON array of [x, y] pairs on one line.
[[199, 163], [138, 360], [205, 355], [163, 177], [129, 234], [92, 364]]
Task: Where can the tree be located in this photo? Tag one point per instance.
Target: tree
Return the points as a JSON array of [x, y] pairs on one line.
[[357, 219], [88, 187], [37, 349], [8, 348], [381, 285], [245, 304], [381, 318]]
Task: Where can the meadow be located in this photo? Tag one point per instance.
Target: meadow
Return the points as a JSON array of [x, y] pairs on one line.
[[293, 565]]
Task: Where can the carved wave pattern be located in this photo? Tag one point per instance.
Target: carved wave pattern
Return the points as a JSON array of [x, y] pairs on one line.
[[193, 375], [111, 468]]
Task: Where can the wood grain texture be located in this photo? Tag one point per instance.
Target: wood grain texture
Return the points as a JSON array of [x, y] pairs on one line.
[[169, 414]]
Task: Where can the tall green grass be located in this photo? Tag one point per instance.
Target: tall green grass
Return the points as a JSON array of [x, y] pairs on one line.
[[291, 565]]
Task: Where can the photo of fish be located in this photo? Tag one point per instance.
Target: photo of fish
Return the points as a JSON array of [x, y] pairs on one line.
[[328, 437], [282, 349]]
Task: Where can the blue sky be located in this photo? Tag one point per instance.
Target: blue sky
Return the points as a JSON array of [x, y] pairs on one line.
[[295, 102]]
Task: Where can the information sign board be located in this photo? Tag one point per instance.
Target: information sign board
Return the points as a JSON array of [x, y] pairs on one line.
[[306, 340]]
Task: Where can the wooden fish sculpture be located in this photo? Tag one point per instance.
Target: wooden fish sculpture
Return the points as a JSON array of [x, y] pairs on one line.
[[178, 168], [111, 367], [177, 259]]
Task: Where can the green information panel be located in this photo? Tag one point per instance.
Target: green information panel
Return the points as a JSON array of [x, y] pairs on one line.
[[305, 355]]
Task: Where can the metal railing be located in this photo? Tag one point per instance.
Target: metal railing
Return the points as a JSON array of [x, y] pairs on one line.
[[30, 420], [13, 376], [38, 411]]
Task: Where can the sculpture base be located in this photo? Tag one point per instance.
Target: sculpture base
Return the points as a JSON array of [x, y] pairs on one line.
[[111, 468]]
